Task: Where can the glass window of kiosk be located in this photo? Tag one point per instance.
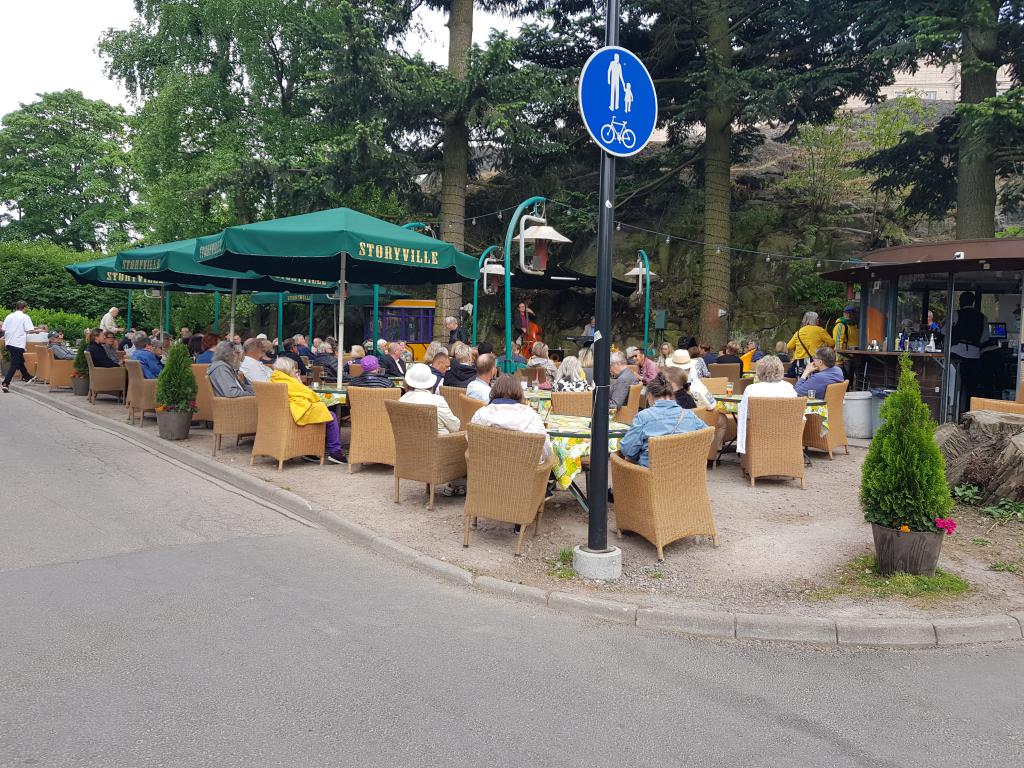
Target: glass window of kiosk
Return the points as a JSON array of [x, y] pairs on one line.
[[985, 336], [875, 314], [921, 312]]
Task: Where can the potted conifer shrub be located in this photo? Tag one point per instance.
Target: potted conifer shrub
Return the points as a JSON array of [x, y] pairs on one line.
[[80, 378], [903, 490], [176, 391]]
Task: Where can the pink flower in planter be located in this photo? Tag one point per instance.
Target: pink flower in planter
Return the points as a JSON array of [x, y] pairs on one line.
[[946, 524]]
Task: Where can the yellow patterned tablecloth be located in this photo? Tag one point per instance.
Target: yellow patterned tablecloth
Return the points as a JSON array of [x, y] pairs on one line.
[[570, 439], [731, 404], [332, 397]]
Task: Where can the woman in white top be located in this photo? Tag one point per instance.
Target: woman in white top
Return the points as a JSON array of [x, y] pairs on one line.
[[570, 377], [770, 383], [508, 411], [421, 381]]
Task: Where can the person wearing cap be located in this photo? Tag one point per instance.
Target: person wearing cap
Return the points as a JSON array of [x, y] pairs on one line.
[[372, 375], [420, 381], [845, 333], [55, 341], [646, 367], [622, 379], [307, 408], [681, 359]]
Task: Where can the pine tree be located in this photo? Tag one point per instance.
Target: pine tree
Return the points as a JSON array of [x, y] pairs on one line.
[[81, 365], [176, 386], [903, 481]]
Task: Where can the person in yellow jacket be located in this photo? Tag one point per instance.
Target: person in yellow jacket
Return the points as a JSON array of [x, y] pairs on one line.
[[307, 408], [806, 341], [845, 333]]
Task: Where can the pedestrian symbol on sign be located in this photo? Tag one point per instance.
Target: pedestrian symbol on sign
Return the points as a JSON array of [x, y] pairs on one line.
[[614, 76]]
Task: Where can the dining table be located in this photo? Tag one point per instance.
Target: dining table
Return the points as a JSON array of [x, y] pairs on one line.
[[571, 437]]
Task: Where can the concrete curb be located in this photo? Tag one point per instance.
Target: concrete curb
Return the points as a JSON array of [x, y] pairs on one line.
[[683, 620]]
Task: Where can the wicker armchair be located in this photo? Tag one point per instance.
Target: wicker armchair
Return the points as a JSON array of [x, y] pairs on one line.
[[31, 364], [573, 403], [647, 500], [717, 422], [233, 416], [1003, 406], [277, 434], [730, 371], [740, 385], [775, 431], [504, 482], [105, 381], [421, 454], [61, 371], [716, 386], [355, 370], [372, 440], [628, 412], [467, 407], [141, 392], [835, 438], [43, 357], [204, 393], [451, 396]]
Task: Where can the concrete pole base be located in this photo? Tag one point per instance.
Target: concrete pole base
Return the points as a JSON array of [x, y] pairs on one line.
[[602, 566]]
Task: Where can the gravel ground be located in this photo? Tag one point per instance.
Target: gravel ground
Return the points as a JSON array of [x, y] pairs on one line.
[[777, 542]]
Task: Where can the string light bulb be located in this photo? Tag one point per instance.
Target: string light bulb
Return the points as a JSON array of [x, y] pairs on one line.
[[818, 265], [618, 226], [668, 240], [474, 221]]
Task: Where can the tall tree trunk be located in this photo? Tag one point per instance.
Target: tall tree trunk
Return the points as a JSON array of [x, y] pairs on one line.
[[716, 275], [455, 168], [976, 173]]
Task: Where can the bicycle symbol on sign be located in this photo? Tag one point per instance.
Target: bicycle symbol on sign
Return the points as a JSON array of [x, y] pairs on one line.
[[623, 135]]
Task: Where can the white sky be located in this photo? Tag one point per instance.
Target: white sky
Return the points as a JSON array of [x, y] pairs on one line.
[[50, 45]]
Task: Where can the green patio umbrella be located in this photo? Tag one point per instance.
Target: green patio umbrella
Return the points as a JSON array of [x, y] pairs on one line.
[[312, 246], [176, 262], [103, 274]]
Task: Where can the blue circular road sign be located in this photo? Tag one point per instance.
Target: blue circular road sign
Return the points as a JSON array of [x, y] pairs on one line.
[[617, 101]]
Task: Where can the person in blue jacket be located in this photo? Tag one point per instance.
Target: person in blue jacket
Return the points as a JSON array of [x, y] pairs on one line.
[[662, 417]]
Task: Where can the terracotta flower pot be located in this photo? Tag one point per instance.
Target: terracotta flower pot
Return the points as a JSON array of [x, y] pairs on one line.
[[173, 425], [80, 385], [913, 552]]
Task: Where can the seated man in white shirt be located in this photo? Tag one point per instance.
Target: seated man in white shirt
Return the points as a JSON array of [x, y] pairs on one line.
[[251, 367], [486, 370]]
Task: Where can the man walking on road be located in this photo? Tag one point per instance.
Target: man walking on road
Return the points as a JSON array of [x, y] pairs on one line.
[[17, 326]]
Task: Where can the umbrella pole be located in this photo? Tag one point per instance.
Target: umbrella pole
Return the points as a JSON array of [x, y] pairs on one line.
[[309, 338], [216, 312], [167, 315], [128, 321], [160, 303], [231, 328], [341, 315], [280, 322], [376, 313]]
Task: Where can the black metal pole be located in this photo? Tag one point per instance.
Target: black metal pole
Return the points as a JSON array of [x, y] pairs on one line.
[[597, 488]]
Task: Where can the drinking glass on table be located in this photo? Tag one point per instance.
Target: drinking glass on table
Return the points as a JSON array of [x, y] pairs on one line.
[[811, 394], [728, 388]]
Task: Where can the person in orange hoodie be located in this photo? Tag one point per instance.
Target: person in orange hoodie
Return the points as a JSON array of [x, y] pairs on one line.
[[307, 408]]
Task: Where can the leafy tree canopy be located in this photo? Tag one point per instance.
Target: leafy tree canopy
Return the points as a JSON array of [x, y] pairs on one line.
[[65, 174]]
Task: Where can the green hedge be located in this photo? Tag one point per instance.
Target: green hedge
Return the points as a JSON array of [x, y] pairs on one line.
[[71, 324]]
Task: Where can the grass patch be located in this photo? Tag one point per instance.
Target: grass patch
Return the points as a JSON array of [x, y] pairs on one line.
[[658, 575], [981, 542], [861, 580], [562, 567], [1005, 567]]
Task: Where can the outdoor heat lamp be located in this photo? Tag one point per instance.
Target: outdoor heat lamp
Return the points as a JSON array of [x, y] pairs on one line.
[[541, 235], [493, 271]]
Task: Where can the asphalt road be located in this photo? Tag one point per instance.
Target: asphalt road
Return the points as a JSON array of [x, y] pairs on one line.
[[151, 617]]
